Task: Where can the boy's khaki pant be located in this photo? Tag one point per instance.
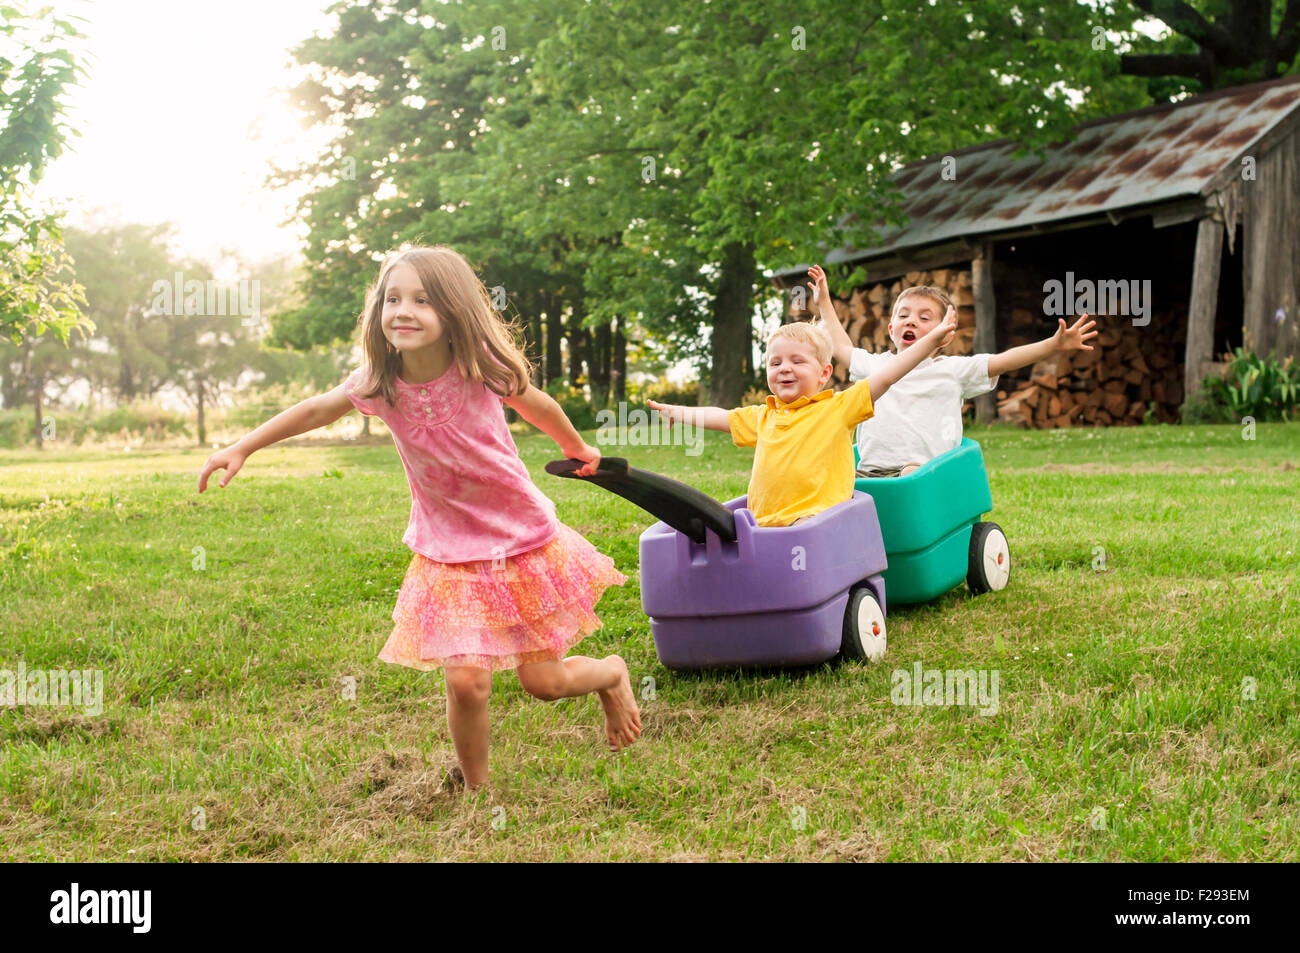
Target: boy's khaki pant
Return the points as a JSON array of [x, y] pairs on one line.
[[878, 472]]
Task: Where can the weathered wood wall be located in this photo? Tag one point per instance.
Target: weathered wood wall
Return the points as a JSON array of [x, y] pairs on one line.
[[1272, 252]]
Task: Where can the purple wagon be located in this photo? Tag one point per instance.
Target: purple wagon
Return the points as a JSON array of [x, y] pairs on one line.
[[724, 592]]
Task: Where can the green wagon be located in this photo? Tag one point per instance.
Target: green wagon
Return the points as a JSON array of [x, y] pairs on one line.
[[931, 524]]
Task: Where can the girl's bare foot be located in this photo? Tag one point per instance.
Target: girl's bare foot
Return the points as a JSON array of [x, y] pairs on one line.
[[622, 717]]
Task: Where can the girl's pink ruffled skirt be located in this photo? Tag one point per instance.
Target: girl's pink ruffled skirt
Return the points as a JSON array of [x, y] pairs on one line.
[[526, 608]]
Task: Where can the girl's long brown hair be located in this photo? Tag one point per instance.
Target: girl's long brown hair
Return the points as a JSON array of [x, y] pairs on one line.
[[483, 344]]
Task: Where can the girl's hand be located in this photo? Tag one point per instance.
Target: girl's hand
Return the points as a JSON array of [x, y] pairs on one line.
[[1072, 338], [820, 289], [228, 459], [672, 413], [585, 452]]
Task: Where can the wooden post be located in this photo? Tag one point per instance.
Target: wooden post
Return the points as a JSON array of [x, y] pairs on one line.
[[1205, 295], [985, 342]]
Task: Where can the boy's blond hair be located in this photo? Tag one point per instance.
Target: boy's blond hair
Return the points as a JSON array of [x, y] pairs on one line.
[[806, 332], [937, 295]]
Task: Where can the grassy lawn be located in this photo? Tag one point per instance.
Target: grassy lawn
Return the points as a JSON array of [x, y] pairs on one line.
[[1126, 729]]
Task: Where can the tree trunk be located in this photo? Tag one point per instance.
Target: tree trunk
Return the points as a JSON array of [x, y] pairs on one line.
[[554, 338], [731, 310], [203, 427], [38, 391], [747, 354], [534, 351], [578, 347], [618, 372], [602, 346]]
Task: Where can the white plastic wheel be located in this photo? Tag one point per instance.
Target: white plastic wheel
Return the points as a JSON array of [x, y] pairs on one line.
[[990, 559], [864, 627]]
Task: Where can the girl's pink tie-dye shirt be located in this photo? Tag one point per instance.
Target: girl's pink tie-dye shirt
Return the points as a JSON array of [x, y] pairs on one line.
[[471, 497]]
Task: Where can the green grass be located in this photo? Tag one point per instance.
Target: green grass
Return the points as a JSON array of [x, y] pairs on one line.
[[1120, 689]]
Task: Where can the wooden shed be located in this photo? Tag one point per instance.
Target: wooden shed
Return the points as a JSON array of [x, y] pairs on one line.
[[1177, 225]]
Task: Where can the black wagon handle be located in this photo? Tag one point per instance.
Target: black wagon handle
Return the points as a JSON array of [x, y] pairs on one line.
[[682, 507]]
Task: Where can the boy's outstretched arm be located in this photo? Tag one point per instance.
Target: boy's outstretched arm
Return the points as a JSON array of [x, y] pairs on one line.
[[710, 418], [1065, 339], [892, 370], [303, 416], [842, 347]]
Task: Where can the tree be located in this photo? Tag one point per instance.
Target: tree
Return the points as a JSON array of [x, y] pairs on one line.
[[35, 71], [760, 123], [126, 356], [1216, 44], [652, 160], [208, 349]]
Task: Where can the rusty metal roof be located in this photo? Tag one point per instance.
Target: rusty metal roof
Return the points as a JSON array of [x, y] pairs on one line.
[[1163, 152]]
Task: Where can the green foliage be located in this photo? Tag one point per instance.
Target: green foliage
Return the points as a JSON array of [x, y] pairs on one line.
[[1257, 387], [573, 401]]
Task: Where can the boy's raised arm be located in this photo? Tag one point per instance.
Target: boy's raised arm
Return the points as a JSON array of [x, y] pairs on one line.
[[842, 347], [890, 372], [1065, 339]]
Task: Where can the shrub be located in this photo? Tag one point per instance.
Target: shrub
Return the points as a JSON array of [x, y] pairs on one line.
[[16, 425], [1253, 386], [1201, 408], [145, 421], [140, 421], [665, 391]]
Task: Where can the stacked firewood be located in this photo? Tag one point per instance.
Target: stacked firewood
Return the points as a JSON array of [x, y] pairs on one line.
[[1127, 373], [1130, 371]]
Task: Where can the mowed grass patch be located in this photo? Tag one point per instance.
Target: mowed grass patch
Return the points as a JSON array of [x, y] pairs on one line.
[[1146, 651]]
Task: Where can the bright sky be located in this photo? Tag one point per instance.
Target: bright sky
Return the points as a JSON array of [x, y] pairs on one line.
[[180, 119]]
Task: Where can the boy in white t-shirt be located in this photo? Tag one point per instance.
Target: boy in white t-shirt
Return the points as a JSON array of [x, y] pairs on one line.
[[920, 417]]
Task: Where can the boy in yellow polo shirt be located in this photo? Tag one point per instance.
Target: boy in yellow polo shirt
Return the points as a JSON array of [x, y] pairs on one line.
[[803, 435]]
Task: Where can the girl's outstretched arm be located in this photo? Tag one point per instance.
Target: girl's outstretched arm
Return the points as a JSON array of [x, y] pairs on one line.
[[305, 415], [541, 410]]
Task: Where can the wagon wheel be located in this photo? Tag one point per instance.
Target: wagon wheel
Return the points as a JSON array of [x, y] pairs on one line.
[[990, 559], [864, 626]]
